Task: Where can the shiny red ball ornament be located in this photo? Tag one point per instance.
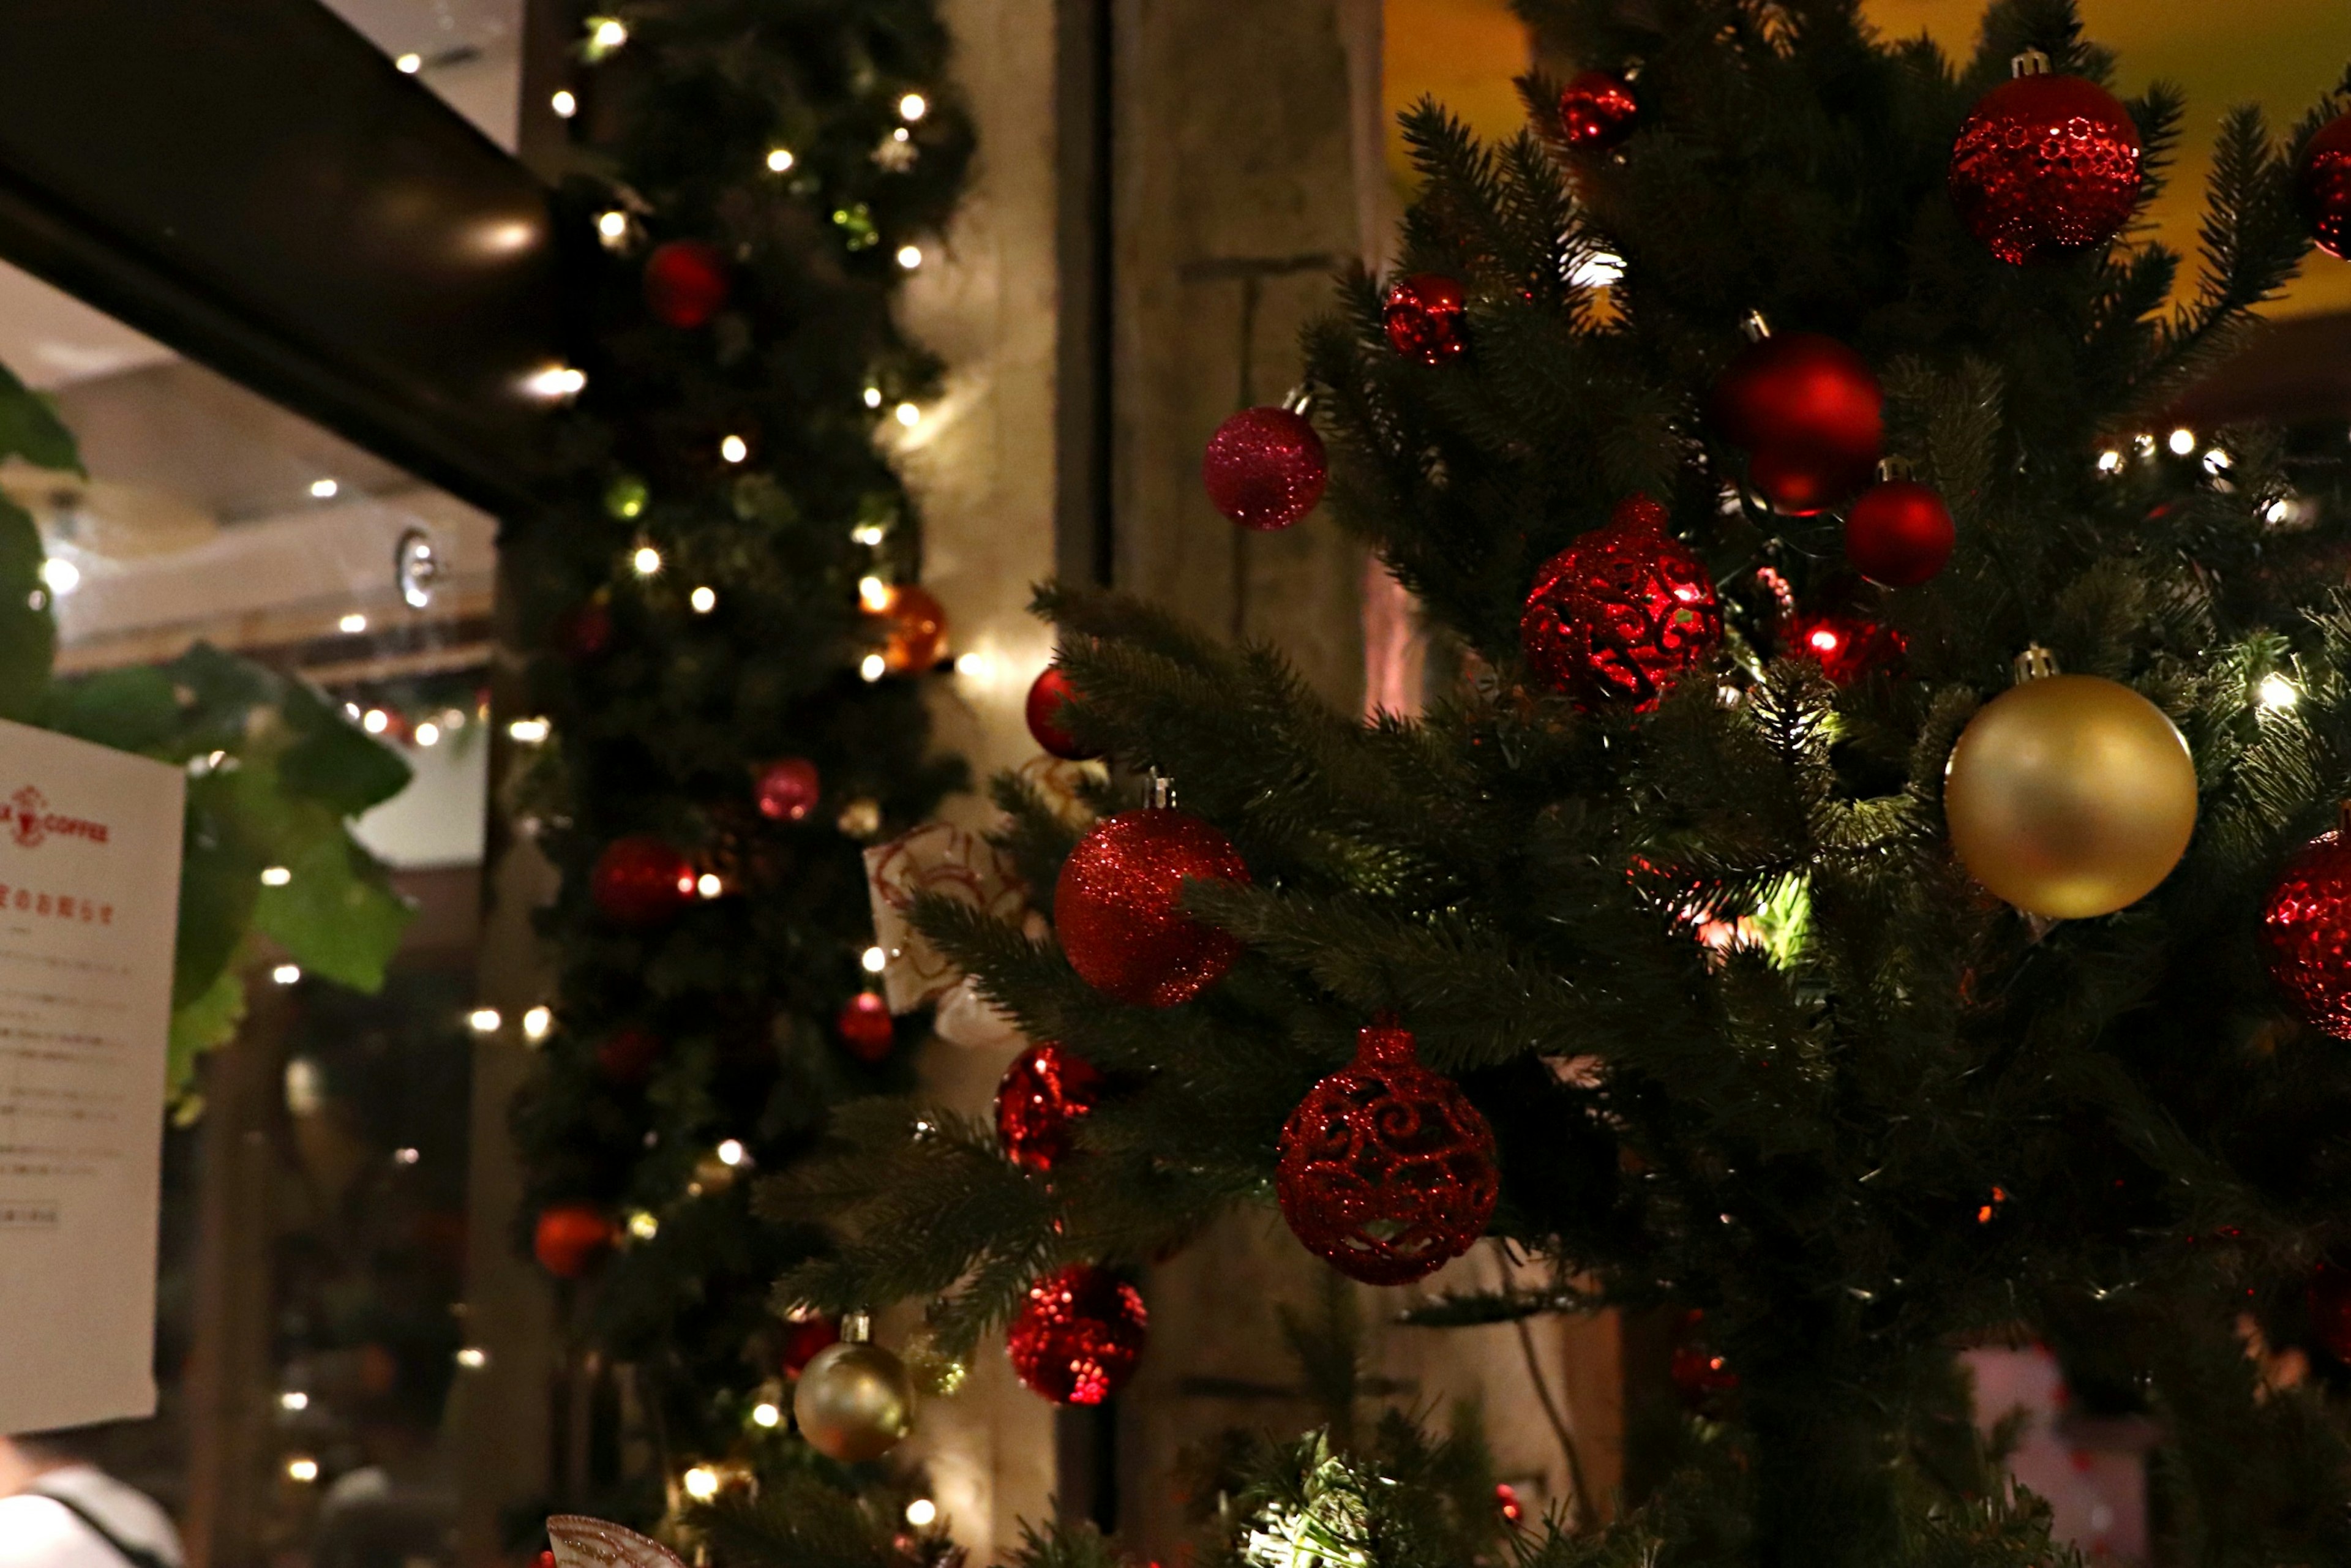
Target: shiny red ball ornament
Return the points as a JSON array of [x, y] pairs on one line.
[[1810, 414], [627, 1056], [685, 283], [1426, 319], [788, 790], [1046, 695], [865, 1027], [641, 881], [1387, 1170], [1701, 1374], [1846, 647], [1265, 468], [1900, 533], [2306, 930], [1047, 1088], [918, 636], [803, 1337], [1115, 906], [1077, 1335], [1617, 615], [570, 1238], [2322, 187], [1598, 110], [2045, 166]]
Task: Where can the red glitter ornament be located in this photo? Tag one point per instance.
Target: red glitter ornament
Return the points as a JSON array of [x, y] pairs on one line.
[[1699, 1373], [1078, 1334], [571, 1238], [1618, 614], [1115, 906], [1598, 110], [1846, 647], [641, 881], [685, 283], [2045, 165], [918, 630], [1425, 318], [1050, 690], [2321, 185], [866, 1028], [2306, 928], [788, 790], [1047, 1088], [1387, 1170], [1265, 468], [1811, 415], [1900, 533], [627, 1055], [803, 1337]]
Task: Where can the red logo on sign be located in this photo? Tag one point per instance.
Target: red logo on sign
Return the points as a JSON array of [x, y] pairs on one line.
[[28, 805]]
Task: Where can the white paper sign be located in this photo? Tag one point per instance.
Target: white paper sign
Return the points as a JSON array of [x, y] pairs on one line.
[[89, 894]]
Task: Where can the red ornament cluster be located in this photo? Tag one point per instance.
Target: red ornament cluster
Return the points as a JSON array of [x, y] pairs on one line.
[[1077, 1335], [1265, 468], [2306, 928], [1597, 111], [1046, 1087], [571, 1238], [1387, 1170], [1899, 534], [685, 283], [1620, 614], [2322, 187], [1700, 1373], [2045, 165], [1115, 906], [865, 1028], [789, 789], [641, 881], [1426, 319], [1050, 690], [1811, 415]]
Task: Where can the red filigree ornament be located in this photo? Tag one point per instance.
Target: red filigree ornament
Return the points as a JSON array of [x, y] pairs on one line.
[[1047, 1088], [1846, 647], [1597, 111], [1265, 468], [569, 1238], [1115, 906], [641, 881], [1620, 614], [2306, 930], [2322, 187], [1046, 695], [1077, 1335], [865, 1027], [788, 790], [1427, 317], [1810, 414], [2045, 165], [685, 283], [627, 1056], [1900, 533], [1387, 1170]]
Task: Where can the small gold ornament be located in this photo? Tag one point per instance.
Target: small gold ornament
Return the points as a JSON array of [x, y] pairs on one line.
[[855, 1401], [2069, 796]]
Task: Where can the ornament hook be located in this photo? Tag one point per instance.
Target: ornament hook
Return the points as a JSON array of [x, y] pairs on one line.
[[1159, 793], [1892, 467], [2035, 664], [1298, 400], [1754, 327], [2031, 63], [856, 1328]]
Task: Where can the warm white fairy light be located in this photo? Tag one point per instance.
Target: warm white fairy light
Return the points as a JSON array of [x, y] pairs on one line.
[[428, 733], [563, 103], [875, 960], [646, 561], [2276, 692], [765, 1414], [538, 1023], [866, 534], [701, 1483], [612, 227], [913, 107], [704, 600], [708, 886], [2183, 441], [294, 1399], [873, 666], [352, 625], [275, 877], [909, 415], [553, 384], [873, 397], [779, 160], [921, 1512], [62, 575], [324, 489], [375, 721], [734, 449], [1601, 269], [873, 594], [643, 1226], [2217, 460], [482, 1021], [304, 1469], [473, 1358], [910, 256], [529, 731], [606, 33], [2110, 461], [286, 974], [410, 64]]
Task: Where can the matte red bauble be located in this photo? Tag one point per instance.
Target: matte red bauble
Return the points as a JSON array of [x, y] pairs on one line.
[[1427, 317], [2306, 929], [865, 1027], [1077, 1335], [571, 1238], [1046, 695], [1811, 415], [1900, 533], [1386, 1171], [803, 1337], [789, 789], [2330, 1309], [685, 283], [1846, 647], [2045, 165], [918, 630], [1598, 110], [2321, 185], [627, 1055], [1615, 616], [1265, 468], [1047, 1088], [641, 881], [1115, 906]]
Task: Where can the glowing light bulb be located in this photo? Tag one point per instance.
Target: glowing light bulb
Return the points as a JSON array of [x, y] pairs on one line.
[[410, 64], [2216, 460], [734, 449], [875, 594], [873, 397], [352, 625], [275, 877], [286, 974], [62, 575], [910, 256], [921, 1512], [875, 960], [606, 33], [529, 731], [909, 415], [867, 533], [730, 1153], [375, 721], [766, 1414], [324, 489], [873, 666], [1824, 639], [553, 384], [304, 1470], [701, 1483], [2183, 441], [913, 106], [538, 1023], [643, 1226], [473, 1358], [428, 733], [612, 226], [563, 103], [708, 886], [2110, 462], [704, 600], [482, 1021], [294, 1399], [2277, 692], [779, 160], [646, 561]]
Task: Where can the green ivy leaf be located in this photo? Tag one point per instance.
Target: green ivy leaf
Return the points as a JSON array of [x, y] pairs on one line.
[[210, 1020], [334, 915], [28, 632], [130, 710], [332, 760], [29, 427]]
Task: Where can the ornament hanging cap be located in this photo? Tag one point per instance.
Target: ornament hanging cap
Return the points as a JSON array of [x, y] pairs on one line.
[[2343, 820], [1891, 467], [2031, 63], [1754, 327], [1384, 1042], [856, 1328], [1297, 400], [1159, 793], [2035, 664]]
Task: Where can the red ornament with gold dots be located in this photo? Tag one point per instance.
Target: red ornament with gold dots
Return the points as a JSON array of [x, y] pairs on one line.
[[1047, 1087], [1617, 616], [2322, 187], [1265, 468], [2306, 930], [1077, 1335], [788, 790], [1046, 695], [865, 1027], [1115, 906], [1597, 111], [1386, 1171], [685, 283], [641, 881], [1426, 319], [2045, 165]]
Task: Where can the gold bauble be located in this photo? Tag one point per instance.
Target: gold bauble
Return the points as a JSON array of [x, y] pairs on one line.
[[2070, 796], [854, 1402]]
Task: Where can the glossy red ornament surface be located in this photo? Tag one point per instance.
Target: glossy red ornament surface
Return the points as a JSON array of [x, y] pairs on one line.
[[641, 881], [803, 1337], [1810, 414], [1265, 468], [685, 283], [1426, 319], [2306, 932], [1077, 1335], [865, 1027], [1598, 110], [1618, 614], [1115, 906], [570, 1238], [788, 790], [918, 630], [1387, 1170], [1046, 1087], [2322, 187], [1046, 694], [2044, 166], [1846, 647], [1900, 533], [626, 1056]]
